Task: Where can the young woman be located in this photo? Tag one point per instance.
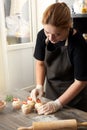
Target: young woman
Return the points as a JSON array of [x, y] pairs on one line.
[[61, 58]]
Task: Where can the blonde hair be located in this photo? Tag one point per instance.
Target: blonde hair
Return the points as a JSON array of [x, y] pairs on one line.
[[57, 14]]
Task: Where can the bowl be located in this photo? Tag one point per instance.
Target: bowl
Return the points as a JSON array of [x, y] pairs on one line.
[[2, 105]]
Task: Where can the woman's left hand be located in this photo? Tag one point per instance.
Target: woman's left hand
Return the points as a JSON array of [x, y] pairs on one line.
[[50, 107]]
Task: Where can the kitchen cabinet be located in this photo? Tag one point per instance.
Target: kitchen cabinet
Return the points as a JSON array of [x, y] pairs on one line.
[[80, 22]]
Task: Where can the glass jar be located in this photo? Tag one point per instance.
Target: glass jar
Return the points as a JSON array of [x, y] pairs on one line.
[[84, 8], [80, 6]]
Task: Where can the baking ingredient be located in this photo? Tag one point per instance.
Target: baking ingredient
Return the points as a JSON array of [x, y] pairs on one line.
[[9, 98]]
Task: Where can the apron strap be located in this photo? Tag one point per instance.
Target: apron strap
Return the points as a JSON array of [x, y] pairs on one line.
[[66, 43]]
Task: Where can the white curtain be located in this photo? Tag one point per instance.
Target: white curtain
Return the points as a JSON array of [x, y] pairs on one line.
[[4, 77]]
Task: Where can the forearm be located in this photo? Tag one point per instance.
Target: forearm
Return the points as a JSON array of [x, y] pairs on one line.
[[72, 91], [40, 72]]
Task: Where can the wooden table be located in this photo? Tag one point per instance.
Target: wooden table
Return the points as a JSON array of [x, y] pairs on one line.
[[11, 119]]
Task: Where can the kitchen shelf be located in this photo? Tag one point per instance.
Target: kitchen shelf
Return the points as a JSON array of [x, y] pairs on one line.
[[79, 15]]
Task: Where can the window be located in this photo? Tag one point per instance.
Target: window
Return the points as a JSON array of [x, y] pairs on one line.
[[18, 21]]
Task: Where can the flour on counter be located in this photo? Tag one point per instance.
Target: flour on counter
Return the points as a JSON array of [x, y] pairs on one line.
[[45, 118]]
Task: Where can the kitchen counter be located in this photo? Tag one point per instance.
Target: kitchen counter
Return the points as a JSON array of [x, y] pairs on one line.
[[12, 119]]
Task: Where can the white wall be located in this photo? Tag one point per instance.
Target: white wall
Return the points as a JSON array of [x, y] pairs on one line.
[[69, 3], [41, 6], [21, 67]]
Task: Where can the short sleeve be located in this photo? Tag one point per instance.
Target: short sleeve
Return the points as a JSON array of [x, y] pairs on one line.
[[39, 52], [80, 58]]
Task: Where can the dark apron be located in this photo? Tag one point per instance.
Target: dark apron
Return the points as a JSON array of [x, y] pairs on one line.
[[59, 72]]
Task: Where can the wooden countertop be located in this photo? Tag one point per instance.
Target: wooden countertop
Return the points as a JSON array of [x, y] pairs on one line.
[[11, 119]]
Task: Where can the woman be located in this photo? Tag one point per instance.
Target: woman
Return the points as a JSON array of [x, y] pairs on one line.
[[60, 55]]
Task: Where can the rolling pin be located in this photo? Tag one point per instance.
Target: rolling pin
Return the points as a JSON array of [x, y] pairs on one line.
[[70, 124]]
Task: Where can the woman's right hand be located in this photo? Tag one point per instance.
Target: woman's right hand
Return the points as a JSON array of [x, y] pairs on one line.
[[37, 92]]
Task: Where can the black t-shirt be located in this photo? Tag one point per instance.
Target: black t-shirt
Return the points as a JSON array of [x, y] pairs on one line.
[[77, 48]]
